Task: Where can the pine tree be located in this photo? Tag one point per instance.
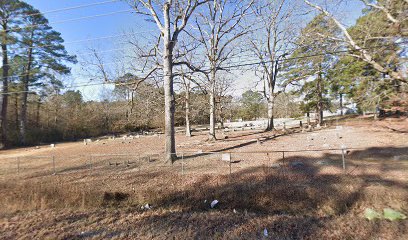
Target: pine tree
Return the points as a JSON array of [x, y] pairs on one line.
[[45, 57], [10, 10], [311, 63]]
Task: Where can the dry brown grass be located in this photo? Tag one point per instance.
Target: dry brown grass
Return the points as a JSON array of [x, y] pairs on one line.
[[313, 201]]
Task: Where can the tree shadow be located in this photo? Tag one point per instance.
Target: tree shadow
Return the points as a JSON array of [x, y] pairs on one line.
[[246, 134], [293, 201], [383, 153], [226, 149]]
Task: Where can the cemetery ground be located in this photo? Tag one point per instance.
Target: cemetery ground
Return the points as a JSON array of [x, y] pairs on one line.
[[120, 189]]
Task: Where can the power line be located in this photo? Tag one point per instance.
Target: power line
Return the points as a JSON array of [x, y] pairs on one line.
[[88, 40], [100, 38], [77, 7], [109, 50], [103, 64], [130, 34], [242, 64], [66, 9], [91, 39], [226, 67], [71, 87], [251, 63], [70, 20]]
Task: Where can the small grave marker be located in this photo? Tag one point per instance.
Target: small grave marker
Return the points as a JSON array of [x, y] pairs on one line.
[[226, 157], [86, 141]]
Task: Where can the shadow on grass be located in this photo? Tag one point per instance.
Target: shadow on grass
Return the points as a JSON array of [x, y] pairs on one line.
[[293, 201], [238, 146]]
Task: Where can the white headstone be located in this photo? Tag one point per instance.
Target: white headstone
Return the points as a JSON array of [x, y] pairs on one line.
[[226, 157]]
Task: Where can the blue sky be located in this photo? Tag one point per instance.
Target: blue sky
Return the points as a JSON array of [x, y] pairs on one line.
[[117, 24], [88, 28], [72, 31]]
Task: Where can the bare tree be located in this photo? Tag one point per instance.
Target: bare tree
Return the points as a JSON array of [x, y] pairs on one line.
[[186, 82], [223, 90], [186, 54], [363, 53], [271, 45], [171, 18], [219, 26]]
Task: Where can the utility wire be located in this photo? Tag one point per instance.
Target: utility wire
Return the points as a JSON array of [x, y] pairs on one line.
[[109, 63], [65, 9], [226, 67], [250, 63], [77, 7], [147, 31], [70, 20], [88, 40], [238, 65]]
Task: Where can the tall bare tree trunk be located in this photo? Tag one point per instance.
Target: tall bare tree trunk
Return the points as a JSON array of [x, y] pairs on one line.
[[222, 117], [341, 104], [188, 128], [211, 135], [319, 107], [127, 114], [181, 11], [130, 105], [187, 105], [271, 102], [169, 101], [271, 92], [4, 97]]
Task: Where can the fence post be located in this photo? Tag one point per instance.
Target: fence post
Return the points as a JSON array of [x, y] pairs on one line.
[[343, 158], [283, 157], [53, 164]]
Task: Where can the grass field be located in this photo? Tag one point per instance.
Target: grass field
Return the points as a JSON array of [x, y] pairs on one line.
[[306, 195]]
